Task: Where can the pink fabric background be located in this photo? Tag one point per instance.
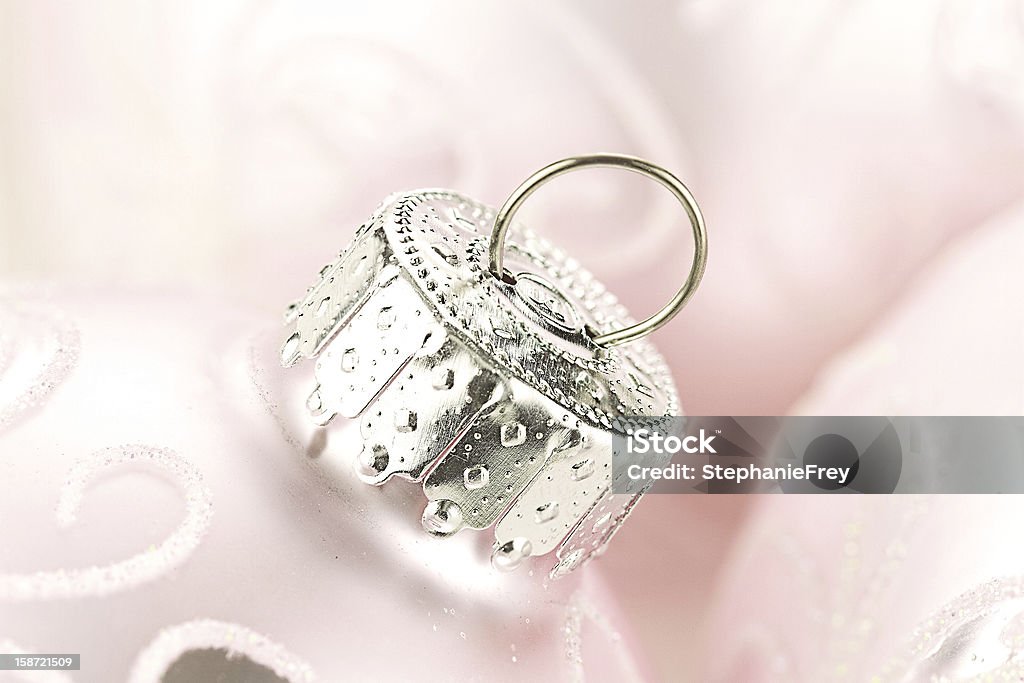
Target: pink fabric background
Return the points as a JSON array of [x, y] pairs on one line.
[[859, 165]]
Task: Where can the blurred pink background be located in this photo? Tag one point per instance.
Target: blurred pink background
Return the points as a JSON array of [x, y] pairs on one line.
[[860, 165]]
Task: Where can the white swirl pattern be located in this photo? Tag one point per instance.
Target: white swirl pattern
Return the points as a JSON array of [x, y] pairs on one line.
[[97, 581], [208, 634], [39, 347]]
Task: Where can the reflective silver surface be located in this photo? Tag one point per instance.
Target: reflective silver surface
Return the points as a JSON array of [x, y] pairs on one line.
[[491, 392]]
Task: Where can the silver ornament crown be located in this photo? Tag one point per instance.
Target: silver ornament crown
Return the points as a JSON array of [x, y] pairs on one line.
[[488, 365]]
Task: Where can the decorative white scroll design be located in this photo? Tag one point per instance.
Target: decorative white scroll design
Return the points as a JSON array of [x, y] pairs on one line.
[[207, 634], [580, 611], [9, 646], [96, 581], [39, 348]]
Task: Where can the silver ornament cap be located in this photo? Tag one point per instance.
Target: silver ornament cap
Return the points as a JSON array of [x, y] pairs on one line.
[[488, 365]]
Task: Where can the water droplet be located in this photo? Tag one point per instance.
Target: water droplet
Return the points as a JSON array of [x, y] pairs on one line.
[[569, 562], [371, 462], [513, 434], [349, 360], [315, 402], [442, 518], [405, 420], [290, 349], [510, 555], [583, 469], [444, 378], [547, 512], [602, 520], [573, 438], [386, 318], [475, 477], [321, 310]]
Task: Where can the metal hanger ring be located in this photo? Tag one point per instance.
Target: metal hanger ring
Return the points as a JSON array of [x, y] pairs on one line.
[[700, 239]]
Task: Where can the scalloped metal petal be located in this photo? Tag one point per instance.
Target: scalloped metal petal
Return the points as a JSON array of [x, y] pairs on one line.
[[497, 456], [373, 347], [505, 324], [490, 392], [339, 292], [591, 536], [416, 418], [573, 479]]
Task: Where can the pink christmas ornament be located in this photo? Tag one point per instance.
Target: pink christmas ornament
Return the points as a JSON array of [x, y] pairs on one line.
[[160, 470]]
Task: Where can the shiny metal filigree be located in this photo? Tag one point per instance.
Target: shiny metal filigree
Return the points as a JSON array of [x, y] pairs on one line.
[[490, 391]]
